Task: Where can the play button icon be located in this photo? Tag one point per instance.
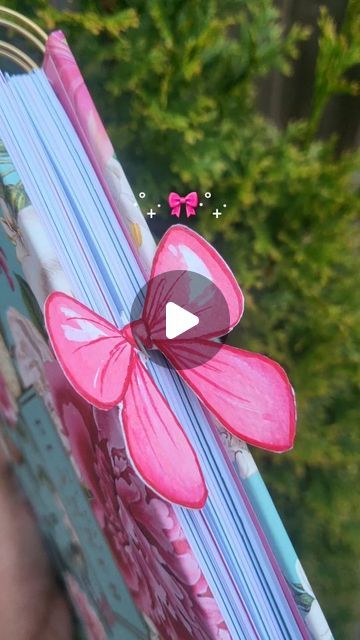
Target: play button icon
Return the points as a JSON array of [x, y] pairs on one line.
[[178, 320], [176, 310]]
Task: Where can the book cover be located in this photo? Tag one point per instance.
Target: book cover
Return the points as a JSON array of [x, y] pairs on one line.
[[73, 463]]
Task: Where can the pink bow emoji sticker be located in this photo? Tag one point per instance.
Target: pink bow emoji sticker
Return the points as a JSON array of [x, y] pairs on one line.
[[249, 394], [190, 201]]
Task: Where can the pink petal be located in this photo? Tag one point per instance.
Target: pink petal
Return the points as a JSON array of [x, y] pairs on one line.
[[157, 445]]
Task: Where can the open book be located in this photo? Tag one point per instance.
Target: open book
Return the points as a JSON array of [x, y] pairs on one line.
[[225, 570]]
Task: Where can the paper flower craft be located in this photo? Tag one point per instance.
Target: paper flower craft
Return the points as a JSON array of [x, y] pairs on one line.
[[247, 392]]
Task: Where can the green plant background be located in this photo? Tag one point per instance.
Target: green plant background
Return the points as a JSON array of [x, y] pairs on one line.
[[176, 84]]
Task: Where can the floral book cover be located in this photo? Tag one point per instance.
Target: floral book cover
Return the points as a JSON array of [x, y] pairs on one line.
[[118, 548]]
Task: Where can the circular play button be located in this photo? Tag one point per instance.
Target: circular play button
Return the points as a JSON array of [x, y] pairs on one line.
[[178, 320], [180, 313]]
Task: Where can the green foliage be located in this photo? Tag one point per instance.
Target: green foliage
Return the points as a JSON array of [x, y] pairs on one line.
[[176, 85], [338, 53]]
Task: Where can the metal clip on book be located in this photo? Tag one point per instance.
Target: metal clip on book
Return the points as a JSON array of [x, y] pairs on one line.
[[26, 31], [73, 236]]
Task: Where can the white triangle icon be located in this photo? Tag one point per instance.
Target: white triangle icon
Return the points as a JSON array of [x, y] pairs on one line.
[[178, 320]]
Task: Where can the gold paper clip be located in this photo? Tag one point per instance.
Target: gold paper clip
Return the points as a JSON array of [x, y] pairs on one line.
[[26, 28], [16, 55]]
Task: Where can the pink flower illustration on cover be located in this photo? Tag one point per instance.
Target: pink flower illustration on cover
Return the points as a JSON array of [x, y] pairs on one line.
[[143, 532], [248, 393], [92, 625]]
